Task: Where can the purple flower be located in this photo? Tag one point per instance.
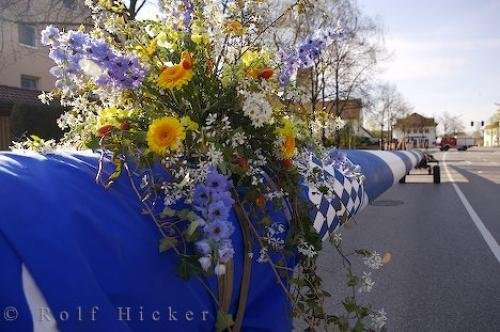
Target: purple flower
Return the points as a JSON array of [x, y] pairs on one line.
[[99, 50], [217, 182], [218, 230], [201, 196], [338, 157], [58, 55], [305, 54], [77, 39], [203, 246], [49, 35], [226, 251], [218, 211], [124, 71], [56, 71], [224, 197], [187, 14]]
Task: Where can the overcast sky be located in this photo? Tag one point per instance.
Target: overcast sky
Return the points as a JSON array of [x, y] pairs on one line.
[[445, 54]]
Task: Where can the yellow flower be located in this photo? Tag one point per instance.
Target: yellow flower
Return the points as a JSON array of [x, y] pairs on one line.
[[151, 48], [189, 124], [234, 27], [198, 34], [178, 75], [165, 134], [287, 132], [111, 116]]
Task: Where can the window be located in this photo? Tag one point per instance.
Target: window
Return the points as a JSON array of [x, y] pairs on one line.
[[70, 4], [29, 82], [426, 130], [414, 130], [26, 34]]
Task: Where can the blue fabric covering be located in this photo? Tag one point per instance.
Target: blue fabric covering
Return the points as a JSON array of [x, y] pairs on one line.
[[85, 247], [378, 175], [405, 159]]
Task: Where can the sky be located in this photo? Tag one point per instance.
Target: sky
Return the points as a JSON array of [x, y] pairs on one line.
[[444, 54]]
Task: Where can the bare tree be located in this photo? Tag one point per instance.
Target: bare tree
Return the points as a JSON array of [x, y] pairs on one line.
[[346, 67], [452, 124], [388, 105]]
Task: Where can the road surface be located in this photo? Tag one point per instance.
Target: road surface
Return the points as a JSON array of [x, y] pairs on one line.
[[443, 274]]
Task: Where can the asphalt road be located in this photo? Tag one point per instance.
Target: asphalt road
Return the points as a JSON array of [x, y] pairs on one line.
[[442, 275]]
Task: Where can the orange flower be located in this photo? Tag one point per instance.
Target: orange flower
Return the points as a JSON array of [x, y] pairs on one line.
[[178, 75], [266, 73], [234, 27], [289, 147], [105, 130], [187, 60], [287, 163], [243, 164], [260, 201]]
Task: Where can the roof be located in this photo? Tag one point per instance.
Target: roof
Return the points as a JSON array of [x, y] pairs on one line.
[[12, 95], [492, 125], [415, 120]]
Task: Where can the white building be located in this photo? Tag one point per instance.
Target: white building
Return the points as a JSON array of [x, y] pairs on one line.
[[415, 131], [492, 134]]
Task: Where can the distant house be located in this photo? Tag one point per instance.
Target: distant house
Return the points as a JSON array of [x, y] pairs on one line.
[[351, 111], [492, 134], [24, 62], [415, 131]]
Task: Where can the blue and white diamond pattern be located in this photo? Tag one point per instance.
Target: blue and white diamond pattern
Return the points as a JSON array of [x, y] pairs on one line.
[[334, 210]]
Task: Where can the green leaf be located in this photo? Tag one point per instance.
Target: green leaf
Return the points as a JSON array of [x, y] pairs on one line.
[[193, 226], [168, 212], [93, 143], [167, 243], [116, 173], [359, 327], [188, 267], [224, 321], [350, 305]]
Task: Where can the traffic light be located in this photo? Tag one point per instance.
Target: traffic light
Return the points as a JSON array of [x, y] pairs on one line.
[[482, 123], [472, 123]]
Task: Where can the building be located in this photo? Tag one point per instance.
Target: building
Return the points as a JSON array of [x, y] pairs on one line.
[[24, 62], [351, 111], [491, 134], [415, 131]]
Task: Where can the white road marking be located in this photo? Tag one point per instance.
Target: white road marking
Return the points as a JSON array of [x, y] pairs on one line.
[[488, 238]]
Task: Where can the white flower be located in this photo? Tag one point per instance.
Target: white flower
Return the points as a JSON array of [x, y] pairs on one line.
[[374, 261], [205, 263], [263, 255], [46, 98], [367, 284], [379, 319], [257, 108], [306, 249], [90, 68], [211, 118], [239, 138], [220, 270], [214, 155]]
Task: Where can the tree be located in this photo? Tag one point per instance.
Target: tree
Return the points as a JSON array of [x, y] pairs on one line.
[[388, 105], [346, 67], [452, 124]]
